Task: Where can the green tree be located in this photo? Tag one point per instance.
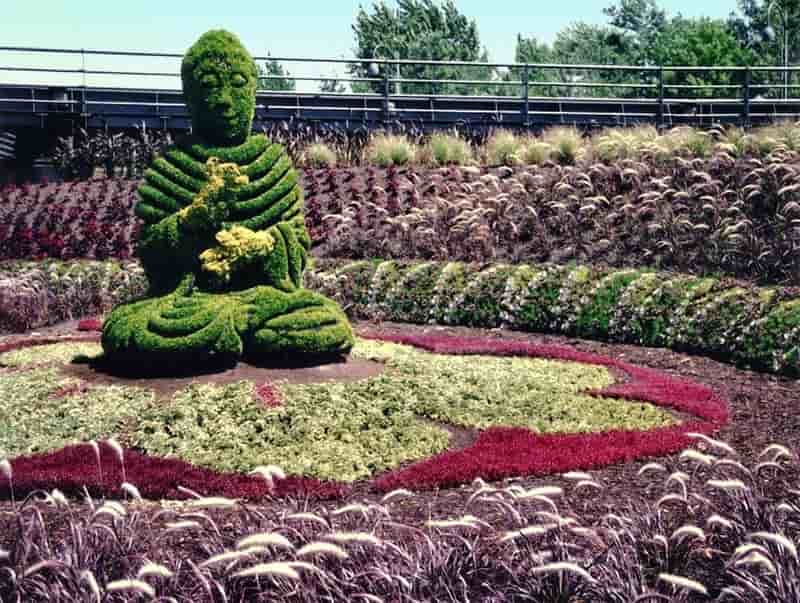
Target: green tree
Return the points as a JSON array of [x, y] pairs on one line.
[[420, 29], [332, 85], [273, 69], [530, 50], [589, 44], [642, 20], [759, 25], [703, 42]]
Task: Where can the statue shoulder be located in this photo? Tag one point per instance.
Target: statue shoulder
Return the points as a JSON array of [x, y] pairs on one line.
[[178, 161]]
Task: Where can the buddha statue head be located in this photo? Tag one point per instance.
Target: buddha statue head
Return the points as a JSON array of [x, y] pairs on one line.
[[219, 84]]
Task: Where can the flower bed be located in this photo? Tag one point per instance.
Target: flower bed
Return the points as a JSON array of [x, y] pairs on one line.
[[732, 321], [542, 409], [507, 452], [727, 213]]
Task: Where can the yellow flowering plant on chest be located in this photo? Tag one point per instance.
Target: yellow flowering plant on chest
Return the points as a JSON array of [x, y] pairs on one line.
[[212, 204], [238, 247]]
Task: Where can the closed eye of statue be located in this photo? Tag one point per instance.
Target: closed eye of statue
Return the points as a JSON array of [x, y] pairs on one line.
[[209, 80]]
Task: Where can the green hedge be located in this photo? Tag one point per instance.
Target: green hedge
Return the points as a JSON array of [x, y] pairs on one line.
[[735, 322]]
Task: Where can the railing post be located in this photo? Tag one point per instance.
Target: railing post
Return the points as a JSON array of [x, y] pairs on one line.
[[526, 107], [748, 81], [661, 97], [386, 94]]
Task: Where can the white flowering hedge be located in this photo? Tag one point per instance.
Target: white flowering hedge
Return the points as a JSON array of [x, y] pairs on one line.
[[751, 326]]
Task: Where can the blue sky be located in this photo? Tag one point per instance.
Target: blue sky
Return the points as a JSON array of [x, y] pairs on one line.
[[299, 28]]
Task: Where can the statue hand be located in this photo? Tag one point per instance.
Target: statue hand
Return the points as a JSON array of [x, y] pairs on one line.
[[197, 217]]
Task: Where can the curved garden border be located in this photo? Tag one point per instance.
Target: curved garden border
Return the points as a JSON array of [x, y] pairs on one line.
[[498, 453]]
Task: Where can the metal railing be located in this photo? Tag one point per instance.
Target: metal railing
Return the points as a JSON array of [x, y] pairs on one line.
[[435, 92]]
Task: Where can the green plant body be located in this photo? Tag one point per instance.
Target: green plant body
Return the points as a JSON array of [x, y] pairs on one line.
[[319, 155], [448, 149], [387, 150], [330, 430], [504, 148], [224, 242]]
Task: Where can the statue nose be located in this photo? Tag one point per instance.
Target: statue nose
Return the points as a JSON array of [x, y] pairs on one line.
[[224, 101]]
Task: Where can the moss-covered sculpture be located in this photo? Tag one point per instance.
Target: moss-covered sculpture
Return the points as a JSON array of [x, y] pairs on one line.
[[224, 242]]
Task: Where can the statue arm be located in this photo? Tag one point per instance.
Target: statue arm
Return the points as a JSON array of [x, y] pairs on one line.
[[290, 256]]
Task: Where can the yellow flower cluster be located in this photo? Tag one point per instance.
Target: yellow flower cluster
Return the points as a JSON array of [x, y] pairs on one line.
[[222, 177], [222, 174], [237, 245]]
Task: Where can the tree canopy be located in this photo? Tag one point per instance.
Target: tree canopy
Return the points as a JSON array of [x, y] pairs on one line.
[[272, 76], [637, 32], [419, 29]]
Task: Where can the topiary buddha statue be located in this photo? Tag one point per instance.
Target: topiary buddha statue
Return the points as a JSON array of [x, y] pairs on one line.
[[224, 242]]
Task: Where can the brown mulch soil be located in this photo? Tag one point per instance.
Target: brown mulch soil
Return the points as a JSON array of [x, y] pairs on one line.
[[349, 369], [764, 410]]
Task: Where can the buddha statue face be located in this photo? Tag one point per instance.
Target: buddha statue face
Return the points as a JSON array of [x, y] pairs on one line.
[[219, 84]]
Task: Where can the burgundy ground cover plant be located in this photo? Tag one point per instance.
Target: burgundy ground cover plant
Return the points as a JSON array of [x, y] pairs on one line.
[[75, 468], [75, 219], [498, 452], [268, 394], [90, 324]]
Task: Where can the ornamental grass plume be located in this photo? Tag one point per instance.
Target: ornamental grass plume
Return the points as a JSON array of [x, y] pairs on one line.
[[212, 502], [120, 453], [716, 444], [5, 469], [265, 539], [96, 449], [274, 569], [322, 548], [778, 540], [354, 538], [560, 567], [131, 490], [154, 570], [777, 451], [683, 583], [728, 485], [446, 524], [757, 559], [697, 456], [138, 586], [396, 494], [227, 557]]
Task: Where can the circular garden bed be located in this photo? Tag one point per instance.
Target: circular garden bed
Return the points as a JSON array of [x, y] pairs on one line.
[[407, 410]]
